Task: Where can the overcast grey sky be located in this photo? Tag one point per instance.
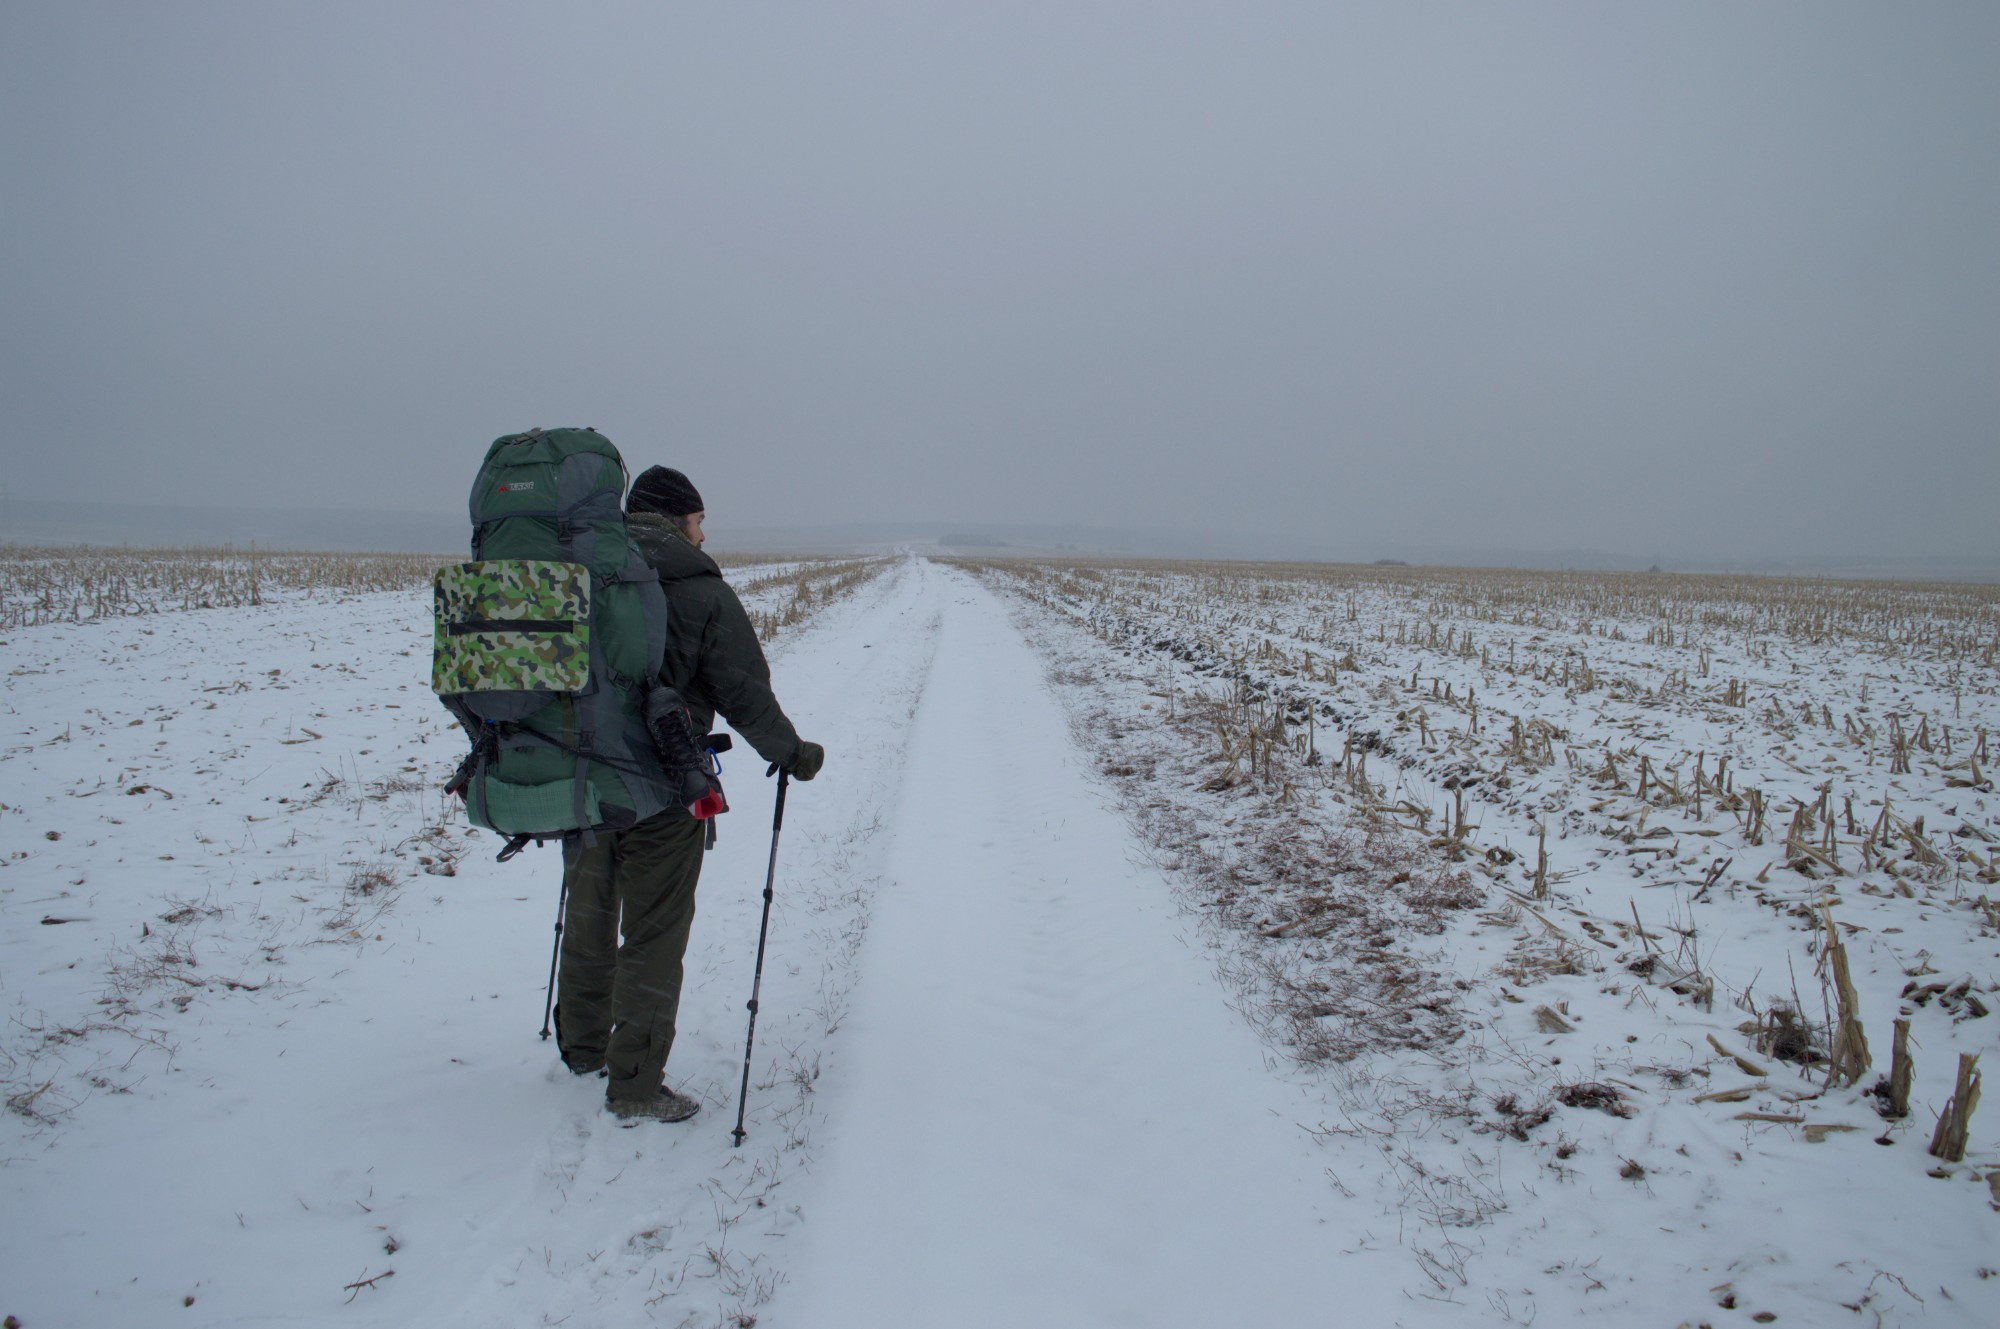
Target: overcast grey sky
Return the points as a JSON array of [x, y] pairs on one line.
[[1712, 278]]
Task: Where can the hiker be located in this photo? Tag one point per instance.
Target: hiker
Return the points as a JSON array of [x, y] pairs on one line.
[[616, 1001]]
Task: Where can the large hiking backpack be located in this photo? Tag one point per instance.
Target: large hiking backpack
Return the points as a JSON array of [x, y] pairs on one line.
[[547, 642]]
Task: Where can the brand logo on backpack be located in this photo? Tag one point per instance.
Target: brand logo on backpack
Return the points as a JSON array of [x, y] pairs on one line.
[[517, 486]]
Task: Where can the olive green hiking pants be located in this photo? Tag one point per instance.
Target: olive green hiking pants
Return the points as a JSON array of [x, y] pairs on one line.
[[617, 1001]]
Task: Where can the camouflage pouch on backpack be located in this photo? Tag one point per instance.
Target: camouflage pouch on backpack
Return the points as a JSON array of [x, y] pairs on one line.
[[511, 625]]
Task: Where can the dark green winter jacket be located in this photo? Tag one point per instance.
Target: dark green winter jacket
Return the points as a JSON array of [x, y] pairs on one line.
[[713, 658]]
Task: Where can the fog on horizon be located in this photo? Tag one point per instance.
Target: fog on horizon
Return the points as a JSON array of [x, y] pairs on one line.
[[1693, 280]]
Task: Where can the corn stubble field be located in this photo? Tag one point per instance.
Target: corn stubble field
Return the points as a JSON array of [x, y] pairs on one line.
[[39, 586], [1648, 878]]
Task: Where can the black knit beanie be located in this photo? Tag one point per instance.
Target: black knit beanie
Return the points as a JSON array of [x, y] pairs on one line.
[[664, 490]]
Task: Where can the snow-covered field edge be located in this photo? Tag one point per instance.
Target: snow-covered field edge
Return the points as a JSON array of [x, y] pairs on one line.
[[271, 1007]]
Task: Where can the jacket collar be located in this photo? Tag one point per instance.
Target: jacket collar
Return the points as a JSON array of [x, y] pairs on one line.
[[672, 554]]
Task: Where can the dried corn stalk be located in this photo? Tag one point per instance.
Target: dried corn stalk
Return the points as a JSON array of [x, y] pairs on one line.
[[1948, 1141], [1850, 1060], [1901, 1068]]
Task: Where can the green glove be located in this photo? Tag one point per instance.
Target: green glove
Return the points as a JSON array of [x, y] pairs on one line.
[[804, 766]]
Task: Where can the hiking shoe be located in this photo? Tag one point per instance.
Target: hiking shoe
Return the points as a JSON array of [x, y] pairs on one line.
[[663, 1106], [583, 1066]]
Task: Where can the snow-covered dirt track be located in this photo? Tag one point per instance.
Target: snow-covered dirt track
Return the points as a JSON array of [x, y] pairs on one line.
[[270, 1010], [1044, 1113]]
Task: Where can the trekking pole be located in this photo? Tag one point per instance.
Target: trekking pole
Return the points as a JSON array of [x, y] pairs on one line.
[[548, 1009], [757, 984]]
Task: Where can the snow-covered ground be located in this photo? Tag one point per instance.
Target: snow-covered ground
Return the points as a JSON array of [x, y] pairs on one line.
[[279, 1033], [272, 1011]]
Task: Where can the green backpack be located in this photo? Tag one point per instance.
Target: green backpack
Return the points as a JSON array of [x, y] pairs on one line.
[[547, 642]]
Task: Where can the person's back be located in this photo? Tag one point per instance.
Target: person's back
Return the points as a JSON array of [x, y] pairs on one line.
[[713, 658]]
